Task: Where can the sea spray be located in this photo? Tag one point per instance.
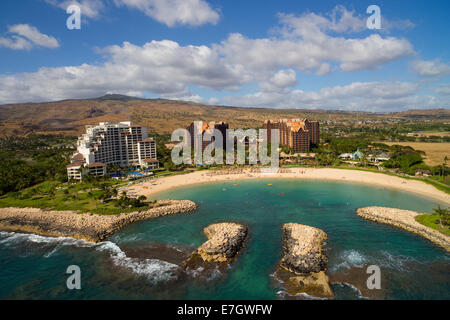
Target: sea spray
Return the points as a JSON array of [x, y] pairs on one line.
[[154, 270]]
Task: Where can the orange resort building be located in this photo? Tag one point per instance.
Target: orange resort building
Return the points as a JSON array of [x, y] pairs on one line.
[[112, 143], [298, 134]]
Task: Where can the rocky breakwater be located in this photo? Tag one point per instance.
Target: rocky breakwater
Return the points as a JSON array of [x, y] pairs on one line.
[[406, 220], [302, 268], [225, 240], [88, 226]]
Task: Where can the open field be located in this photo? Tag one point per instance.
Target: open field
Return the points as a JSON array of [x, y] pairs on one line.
[[432, 221], [81, 197], [438, 134], [435, 151]]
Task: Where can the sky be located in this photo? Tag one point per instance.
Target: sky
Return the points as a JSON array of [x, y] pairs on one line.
[[280, 54]]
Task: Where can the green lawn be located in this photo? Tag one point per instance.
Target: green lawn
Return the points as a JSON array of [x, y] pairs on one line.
[[83, 197], [432, 221]]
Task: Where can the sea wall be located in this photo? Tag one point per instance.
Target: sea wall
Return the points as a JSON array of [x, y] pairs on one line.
[[88, 226], [303, 266], [225, 240], [404, 219]]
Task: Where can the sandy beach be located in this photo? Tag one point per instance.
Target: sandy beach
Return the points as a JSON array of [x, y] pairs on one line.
[[153, 187]]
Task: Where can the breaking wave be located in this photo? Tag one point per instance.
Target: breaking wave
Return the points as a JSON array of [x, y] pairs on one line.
[[153, 269], [349, 259]]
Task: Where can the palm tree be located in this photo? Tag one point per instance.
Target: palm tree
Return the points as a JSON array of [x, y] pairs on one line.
[[440, 212], [114, 192]]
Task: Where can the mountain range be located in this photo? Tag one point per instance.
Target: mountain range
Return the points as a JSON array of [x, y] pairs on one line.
[[163, 116]]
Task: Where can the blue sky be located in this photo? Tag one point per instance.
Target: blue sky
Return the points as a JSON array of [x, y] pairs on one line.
[[280, 54]]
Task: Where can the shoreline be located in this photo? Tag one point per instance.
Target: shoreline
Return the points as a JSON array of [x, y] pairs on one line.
[[404, 219], [327, 174], [87, 226]]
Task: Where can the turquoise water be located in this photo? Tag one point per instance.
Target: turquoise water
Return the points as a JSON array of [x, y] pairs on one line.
[[141, 261]]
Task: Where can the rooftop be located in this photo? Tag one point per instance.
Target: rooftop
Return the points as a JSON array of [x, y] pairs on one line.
[[96, 164]]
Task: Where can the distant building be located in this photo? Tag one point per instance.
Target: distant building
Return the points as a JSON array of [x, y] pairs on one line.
[[379, 158], [351, 156], [346, 156], [112, 143], [298, 134], [357, 155], [207, 127]]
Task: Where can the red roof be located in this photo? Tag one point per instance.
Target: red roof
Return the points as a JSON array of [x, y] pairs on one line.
[[96, 164], [78, 157], [75, 164], [151, 160]]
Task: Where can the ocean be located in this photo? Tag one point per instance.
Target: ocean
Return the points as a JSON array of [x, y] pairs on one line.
[[142, 261]]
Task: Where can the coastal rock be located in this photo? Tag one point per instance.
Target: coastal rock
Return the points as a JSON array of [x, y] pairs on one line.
[[303, 252], [225, 240], [91, 227], [302, 269], [314, 284], [404, 219]]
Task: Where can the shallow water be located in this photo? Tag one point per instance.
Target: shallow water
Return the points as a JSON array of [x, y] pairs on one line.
[[141, 261]]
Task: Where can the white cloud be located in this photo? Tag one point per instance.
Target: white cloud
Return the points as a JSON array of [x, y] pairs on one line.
[[25, 37], [443, 89], [161, 67], [430, 68], [32, 33], [308, 43], [339, 20], [305, 44], [15, 43], [89, 8], [364, 96], [173, 12], [169, 12], [311, 52], [280, 81]]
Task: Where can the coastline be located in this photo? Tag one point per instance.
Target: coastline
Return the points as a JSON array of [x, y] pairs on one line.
[[404, 219], [356, 176], [87, 226]]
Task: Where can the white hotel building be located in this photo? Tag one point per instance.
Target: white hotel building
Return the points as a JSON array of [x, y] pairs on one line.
[[112, 143]]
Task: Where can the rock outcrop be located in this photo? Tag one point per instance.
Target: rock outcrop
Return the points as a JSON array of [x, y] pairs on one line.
[[225, 240], [91, 227], [404, 219], [302, 269]]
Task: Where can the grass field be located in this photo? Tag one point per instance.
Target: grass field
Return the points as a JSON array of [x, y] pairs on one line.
[[83, 197], [435, 152], [431, 133], [432, 221]]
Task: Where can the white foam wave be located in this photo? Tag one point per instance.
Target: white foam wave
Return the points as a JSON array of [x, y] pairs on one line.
[[283, 294], [397, 262], [155, 270], [349, 259], [360, 295], [13, 239]]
